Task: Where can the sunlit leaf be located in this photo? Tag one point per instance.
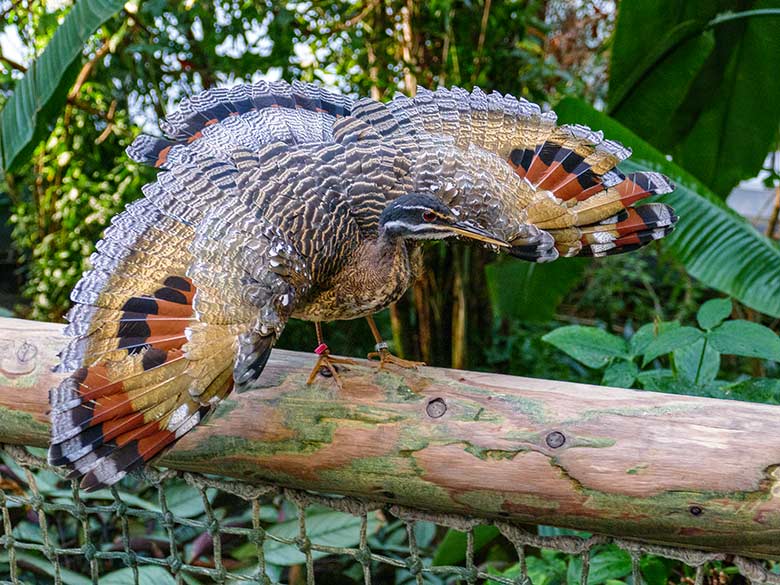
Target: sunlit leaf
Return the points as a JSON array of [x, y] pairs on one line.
[[40, 94]]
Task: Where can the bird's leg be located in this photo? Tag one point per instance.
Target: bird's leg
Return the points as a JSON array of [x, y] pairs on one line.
[[383, 354], [326, 363]]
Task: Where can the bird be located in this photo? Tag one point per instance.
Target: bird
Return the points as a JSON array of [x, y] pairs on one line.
[[278, 200]]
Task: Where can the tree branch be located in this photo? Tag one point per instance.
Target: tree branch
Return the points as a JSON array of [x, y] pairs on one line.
[[669, 469]]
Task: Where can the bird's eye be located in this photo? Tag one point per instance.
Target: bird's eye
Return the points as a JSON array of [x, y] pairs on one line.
[[429, 216]]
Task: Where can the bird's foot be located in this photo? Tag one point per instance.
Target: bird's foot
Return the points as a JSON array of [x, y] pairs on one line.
[[382, 357], [327, 365]]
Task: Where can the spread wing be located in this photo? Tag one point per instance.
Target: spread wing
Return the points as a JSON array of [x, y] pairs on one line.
[[507, 165], [191, 285]]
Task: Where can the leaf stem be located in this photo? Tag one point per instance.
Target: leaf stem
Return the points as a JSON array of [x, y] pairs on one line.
[[729, 16], [701, 361]]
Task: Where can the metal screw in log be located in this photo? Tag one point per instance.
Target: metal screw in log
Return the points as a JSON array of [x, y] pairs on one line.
[[555, 439], [436, 408], [666, 469]]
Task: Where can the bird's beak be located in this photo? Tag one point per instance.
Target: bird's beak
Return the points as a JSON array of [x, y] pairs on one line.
[[474, 232]]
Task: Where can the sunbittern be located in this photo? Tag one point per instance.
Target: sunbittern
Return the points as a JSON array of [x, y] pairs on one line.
[[281, 201]]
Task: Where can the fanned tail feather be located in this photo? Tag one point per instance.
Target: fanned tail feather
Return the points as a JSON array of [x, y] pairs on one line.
[[138, 391], [583, 201]]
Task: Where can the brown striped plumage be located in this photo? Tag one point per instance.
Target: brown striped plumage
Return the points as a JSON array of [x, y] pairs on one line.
[[278, 201]]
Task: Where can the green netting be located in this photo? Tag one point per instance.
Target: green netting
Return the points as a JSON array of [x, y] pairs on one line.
[[102, 543]]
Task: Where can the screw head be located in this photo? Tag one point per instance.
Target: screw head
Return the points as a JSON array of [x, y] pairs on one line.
[[436, 408], [555, 439], [26, 352]]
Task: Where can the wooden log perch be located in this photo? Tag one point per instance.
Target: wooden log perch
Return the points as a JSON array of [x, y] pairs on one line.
[[661, 468]]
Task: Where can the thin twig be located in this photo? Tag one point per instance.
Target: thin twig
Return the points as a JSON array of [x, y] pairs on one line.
[[481, 42], [350, 22], [729, 16], [445, 50], [770, 228], [110, 126], [86, 71], [407, 47]]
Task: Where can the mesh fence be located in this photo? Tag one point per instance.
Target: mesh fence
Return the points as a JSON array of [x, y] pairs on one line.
[[190, 528]]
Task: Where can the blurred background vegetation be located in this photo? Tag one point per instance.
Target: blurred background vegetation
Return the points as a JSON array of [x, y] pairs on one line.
[[691, 86]]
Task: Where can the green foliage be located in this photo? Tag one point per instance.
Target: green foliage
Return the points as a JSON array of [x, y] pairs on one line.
[[529, 291], [590, 346], [147, 575], [47, 568], [696, 66], [693, 354], [323, 526], [56, 227], [714, 312], [39, 96], [452, 548], [606, 564], [715, 244]]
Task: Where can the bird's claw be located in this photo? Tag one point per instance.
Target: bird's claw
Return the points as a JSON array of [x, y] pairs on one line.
[[326, 366], [383, 357]]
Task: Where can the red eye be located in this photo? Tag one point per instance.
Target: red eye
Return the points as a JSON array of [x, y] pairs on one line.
[[429, 216]]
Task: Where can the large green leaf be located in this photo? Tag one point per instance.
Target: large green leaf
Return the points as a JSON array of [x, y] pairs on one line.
[[327, 528], [646, 37], [684, 76], [745, 338], [590, 346], [669, 340], [663, 88], [452, 549], [531, 291], [46, 567], [611, 563], [147, 575], [40, 94], [736, 121], [716, 245]]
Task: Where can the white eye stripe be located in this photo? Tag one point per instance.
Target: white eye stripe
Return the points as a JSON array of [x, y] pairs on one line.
[[422, 208], [410, 207], [415, 227]]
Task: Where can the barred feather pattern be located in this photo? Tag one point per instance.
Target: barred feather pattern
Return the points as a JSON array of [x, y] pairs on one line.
[[267, 206]]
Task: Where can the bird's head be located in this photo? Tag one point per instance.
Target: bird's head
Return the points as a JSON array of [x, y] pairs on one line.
[[423, 217]]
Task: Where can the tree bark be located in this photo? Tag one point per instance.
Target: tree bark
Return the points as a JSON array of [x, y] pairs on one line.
[[666, 469]]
